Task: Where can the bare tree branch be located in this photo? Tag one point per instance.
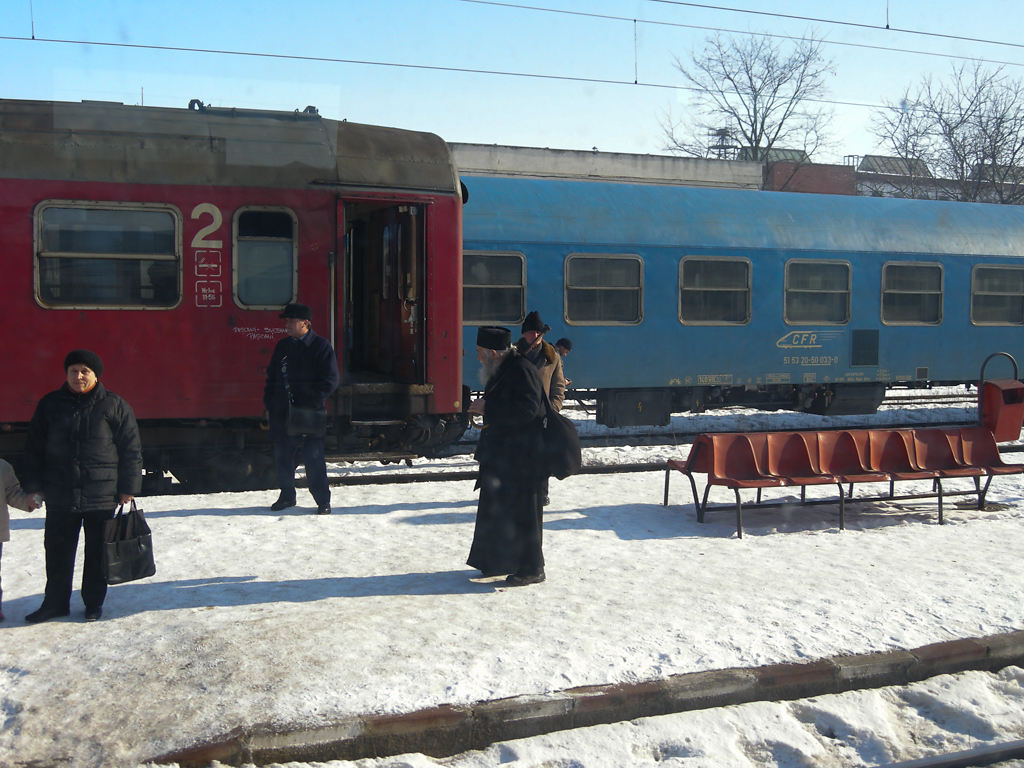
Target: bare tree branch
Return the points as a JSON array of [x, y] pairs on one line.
[[757, 90], [969, 130]]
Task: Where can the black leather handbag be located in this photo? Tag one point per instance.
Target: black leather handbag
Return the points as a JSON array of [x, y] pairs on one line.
[[128, 547], [562, 453]]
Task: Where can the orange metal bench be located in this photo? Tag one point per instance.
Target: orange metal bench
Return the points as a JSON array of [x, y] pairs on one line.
[[801, 458]]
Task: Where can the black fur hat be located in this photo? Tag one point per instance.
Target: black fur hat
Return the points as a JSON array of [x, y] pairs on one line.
[[84, 357], [534, 323], [493, 337]]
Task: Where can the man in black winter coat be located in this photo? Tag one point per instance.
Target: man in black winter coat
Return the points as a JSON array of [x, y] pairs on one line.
[[84, 457], [303, 371], [509, 517]]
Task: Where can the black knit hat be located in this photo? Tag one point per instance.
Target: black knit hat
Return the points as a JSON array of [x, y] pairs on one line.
[[534, 323], [493, 337], [564, 344], [297, 311], [84, 357]]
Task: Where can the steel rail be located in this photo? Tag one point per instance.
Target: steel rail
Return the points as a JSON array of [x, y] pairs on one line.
[[988, 755]]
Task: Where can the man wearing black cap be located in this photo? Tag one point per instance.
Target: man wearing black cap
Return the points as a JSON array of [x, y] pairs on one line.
[[507, 537], [303, 372], [549, 365], [84, 457]]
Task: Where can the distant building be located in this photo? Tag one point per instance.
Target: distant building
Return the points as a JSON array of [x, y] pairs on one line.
[[775, 155], [618, 166]]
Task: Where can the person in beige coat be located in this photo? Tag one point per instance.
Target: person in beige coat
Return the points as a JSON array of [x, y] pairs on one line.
[[548, 363], [11, 495]]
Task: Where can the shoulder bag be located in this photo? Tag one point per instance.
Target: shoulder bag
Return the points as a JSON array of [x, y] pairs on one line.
[[128, 547], [300, 420], [562, 453]]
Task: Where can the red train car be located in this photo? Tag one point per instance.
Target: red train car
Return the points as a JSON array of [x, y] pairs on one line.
[[168, 240]]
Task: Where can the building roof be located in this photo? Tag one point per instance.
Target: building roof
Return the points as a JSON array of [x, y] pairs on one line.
[[894, 166]]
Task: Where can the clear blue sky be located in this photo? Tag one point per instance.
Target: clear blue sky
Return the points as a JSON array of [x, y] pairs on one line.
[[467, 106]]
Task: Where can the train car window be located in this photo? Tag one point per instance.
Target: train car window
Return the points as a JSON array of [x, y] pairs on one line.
[[714, 291], [107, 255], [265, 257], [603, 289], [911, 294], [493, 288], [817, 292], [997, 295]]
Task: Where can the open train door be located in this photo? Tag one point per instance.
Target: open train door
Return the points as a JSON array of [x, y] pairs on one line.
[[381, 314]]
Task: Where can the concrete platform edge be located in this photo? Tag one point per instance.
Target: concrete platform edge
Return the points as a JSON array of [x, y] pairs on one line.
[[451, 729]]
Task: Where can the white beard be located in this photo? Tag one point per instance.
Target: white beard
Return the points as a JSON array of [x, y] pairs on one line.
[[488, 368]]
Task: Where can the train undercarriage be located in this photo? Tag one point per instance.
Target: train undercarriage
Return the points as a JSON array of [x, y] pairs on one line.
[[210, 456], [655, 406]]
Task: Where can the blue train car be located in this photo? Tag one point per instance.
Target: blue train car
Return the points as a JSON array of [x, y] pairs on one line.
[[682, 298]]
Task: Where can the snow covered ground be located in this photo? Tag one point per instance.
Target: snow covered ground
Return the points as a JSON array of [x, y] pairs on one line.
[[294, 620]]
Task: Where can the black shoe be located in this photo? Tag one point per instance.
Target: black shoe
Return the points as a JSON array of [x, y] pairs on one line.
[[93, 614], [492, 574], [324, 509], [283, 502], [521, 580], [45, 613]]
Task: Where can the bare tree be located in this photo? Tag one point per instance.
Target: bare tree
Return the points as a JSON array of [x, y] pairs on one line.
[[969, 130], [760, 92]]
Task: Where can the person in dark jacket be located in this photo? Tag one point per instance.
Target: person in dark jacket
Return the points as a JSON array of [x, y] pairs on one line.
[[509, 516], [84, 457], [303, 371]]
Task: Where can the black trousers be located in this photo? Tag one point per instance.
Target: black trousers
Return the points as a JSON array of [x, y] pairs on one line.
[[60, 540]]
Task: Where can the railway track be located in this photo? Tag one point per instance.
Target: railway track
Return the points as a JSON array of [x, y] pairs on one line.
[[405, 477], [586, 403], [667, 438]]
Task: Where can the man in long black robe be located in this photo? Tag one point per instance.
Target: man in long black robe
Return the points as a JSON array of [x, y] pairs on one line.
[[509, 517]]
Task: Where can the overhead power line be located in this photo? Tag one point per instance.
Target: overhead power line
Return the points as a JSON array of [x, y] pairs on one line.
[[395, 64], [885, 28], [776, 35]]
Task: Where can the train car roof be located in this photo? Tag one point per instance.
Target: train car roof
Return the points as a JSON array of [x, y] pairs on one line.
[[110, 142], [613, 214]]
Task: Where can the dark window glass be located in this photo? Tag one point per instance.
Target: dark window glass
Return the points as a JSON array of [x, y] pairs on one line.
[[603, 289], [714, 291], [912, 294], [493, 288], [997, 296], [817, 292], [92, 256]]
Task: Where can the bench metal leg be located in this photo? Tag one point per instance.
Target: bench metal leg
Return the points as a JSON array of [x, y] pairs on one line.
[[739, 512], [938, 486], [984, 491], [703, 508], [842, 507], [668, 474]]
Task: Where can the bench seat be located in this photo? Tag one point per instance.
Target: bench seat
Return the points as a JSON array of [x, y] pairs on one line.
[[759, 460]]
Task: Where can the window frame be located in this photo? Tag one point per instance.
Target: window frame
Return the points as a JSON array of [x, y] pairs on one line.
[[104, 205], [749, 289], [566, 287], [941, 293], [235, 272], [786, 291], [974, 293], [522, 286]]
